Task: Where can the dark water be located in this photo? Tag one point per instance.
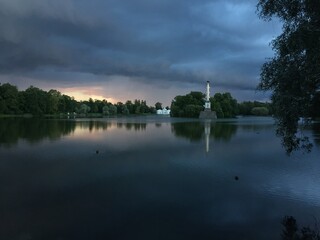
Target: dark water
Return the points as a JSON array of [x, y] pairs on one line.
[[152, 178]]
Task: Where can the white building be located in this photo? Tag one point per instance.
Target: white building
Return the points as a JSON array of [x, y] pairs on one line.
[[163, 111]]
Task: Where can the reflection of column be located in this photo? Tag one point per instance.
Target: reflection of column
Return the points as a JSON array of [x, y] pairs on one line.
[[207, 127]]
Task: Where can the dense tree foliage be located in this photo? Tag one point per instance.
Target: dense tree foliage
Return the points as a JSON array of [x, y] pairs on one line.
[[260, 111], [158, 105], [224, 105], [192, 104], [255, 108], [293, 74], [38, 102], [189, 105], [9, 99]]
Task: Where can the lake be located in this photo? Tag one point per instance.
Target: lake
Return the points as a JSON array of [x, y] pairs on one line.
[[152, 178]]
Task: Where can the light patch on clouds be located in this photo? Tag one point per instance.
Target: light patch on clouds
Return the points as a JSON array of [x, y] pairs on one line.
[[85, 93]]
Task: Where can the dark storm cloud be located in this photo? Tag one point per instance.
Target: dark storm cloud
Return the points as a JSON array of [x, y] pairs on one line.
[[169, 40]]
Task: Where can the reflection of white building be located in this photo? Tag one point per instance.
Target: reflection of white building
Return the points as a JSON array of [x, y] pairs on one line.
[[163, 111]]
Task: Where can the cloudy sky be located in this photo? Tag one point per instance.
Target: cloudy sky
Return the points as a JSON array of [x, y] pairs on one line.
[[134, 49]]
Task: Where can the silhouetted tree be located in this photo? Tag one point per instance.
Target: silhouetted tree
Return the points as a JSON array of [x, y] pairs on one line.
[[53, 99], [113, 110], [84, 108], [9, 102], [224, 105], [189, 105], [105, 110], [293, 74], [290, 231], [35, 101], [158, 105]]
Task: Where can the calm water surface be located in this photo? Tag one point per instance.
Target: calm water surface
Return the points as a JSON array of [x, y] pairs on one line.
[[152, 178]]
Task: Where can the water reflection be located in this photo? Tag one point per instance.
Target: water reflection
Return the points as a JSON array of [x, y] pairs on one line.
[[149, 182], [316, 133], [196, 131], [35, 130], [94, 125], [132, 126], [207, 130], [32, 130]]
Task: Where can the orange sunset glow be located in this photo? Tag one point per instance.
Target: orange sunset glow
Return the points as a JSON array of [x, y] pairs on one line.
[[84, 93]]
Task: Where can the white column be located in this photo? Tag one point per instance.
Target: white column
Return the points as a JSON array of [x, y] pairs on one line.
[[207, 104], [208, 92]]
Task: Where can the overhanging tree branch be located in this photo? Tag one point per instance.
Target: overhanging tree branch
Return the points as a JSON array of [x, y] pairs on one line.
[[293, 74]]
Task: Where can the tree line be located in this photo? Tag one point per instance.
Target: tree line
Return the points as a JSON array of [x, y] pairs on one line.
[[225, 106], [36, 101]]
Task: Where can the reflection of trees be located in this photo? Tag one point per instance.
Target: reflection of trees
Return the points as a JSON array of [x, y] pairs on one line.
[[195, 130], [133, 126], [292, 231], [94, 125], [316, 133], [140, 126], [223, 131], [191, 130], [32, 129], [257, 127], [305, 144]]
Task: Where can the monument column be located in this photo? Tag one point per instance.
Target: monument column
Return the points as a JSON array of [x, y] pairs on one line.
[[207, 113], [207, 104]]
